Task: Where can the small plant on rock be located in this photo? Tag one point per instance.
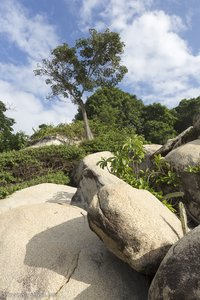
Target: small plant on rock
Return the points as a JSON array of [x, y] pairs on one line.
[[125, 164]]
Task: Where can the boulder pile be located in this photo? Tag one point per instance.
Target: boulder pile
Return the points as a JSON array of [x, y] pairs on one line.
[[49, 252], [139, 230]]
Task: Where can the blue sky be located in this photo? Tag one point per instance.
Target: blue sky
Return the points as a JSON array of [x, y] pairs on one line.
[[162, 51]]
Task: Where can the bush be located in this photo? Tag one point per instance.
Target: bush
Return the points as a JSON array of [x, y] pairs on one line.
[[125, 164], [112, 140], [20, 169], [72, 131]]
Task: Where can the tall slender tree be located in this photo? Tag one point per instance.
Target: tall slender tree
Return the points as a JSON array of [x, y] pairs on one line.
[[91, 63]]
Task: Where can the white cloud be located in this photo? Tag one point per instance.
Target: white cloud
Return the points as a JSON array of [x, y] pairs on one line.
[[114, 13], [158, 56], [161, 64], [23, 78], [29, 111], [153, 50], [88, 7], [121, 13], [33, 35]]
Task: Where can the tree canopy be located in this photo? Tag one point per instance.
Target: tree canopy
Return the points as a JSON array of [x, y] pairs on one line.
[[91, 63], [115, 108], [118, 109], [185, 113], [158, 123], [5, 122], [9, 140]]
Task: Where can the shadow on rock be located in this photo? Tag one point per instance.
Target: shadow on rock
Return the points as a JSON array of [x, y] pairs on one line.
[[74, 252]]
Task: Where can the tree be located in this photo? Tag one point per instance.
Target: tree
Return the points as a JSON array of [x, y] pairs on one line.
[[5, 122], [92, 62], [185, 112], [5, 128], [158, 124], [115, 108], [9, 140]]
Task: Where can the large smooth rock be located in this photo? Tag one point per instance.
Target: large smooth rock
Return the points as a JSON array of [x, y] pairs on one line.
[[90, 178], [45, 192], [134, 225], [48, 252], [178, 275], [180, 159], [90, 161]]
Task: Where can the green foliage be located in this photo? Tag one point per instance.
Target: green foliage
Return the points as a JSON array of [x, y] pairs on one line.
[[125, 162], [51, 177], [5, 122], [107, 139], [31, 166], [114, 107], [126, 165], [106, 136], [158, 123], [158, 132], [73, 131], [193, 169], [162, 173], [185, 113], [9, 140]]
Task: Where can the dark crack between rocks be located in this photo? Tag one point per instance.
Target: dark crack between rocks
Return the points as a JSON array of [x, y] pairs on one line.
[[72, 268]]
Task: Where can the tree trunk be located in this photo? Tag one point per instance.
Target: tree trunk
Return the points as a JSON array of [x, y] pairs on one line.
[[88, 132]]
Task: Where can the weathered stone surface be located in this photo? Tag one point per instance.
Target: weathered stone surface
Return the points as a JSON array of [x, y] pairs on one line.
[[48, 252], [91, 178], [45, 192], [178, 275], [150, 149], [180, 159], [54, 140], [134, 225], [188, 154], [90, 161]]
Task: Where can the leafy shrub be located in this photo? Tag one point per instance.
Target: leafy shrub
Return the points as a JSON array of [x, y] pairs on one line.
[[108, 140], [74, 130], [32, 166], [125, 164], [51, 177]]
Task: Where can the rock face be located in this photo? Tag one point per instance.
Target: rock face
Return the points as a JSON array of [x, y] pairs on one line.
[[90, 161], [90, 178], [150, 149], [53, 140], [180, 159], [48, 252], [134, 225], [178, 275], [45, 192]]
